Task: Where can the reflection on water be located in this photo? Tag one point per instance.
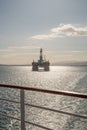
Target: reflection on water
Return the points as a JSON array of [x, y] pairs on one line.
[[58, 78]]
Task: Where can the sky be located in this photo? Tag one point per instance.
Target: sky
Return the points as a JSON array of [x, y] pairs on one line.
[[57, 26]]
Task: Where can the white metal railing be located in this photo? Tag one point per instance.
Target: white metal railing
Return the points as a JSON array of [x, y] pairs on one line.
[[22, 103]]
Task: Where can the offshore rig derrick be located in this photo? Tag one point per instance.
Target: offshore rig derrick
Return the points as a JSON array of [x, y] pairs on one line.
[[40, 63]]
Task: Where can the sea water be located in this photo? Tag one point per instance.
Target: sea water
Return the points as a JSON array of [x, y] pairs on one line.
[[67, 78]]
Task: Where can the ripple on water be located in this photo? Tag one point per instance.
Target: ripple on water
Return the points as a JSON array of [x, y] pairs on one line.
[[59, 78]]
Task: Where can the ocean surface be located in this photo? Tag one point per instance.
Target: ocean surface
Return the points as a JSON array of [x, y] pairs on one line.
[[67, 78]]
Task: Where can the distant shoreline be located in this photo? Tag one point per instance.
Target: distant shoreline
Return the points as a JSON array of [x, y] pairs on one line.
[[50, 65], [71, 63]]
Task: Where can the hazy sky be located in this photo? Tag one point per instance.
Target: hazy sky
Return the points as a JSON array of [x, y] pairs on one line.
[[57, 26]]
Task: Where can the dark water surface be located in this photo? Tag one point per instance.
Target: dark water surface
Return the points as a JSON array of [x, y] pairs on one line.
[[58, 78]]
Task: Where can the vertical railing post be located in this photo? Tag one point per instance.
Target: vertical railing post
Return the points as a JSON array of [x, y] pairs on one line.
[[22, 109]]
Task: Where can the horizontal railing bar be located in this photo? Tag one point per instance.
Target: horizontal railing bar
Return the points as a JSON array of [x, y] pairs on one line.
[[49, 109], [58, 111], [26, 122], [46, 109], [64, 93], [9, 116], [7, 100], [38, 125]]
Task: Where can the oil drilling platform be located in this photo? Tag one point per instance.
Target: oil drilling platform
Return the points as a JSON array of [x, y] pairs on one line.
[[40, 63]]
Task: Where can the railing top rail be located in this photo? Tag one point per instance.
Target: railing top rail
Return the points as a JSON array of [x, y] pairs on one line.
[[57, 92]]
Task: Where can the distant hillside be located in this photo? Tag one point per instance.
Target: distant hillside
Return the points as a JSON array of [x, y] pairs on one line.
[[15, 65], [74, 63], [70, 63]]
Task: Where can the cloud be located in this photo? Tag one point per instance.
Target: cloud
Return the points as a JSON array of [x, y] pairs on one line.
[[70, 30], [20, 49], [18, 54], [81, 51], [63, 30], [23, 47], [44, 37]]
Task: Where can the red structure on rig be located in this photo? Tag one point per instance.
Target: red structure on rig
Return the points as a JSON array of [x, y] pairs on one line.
[[40, 63]]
